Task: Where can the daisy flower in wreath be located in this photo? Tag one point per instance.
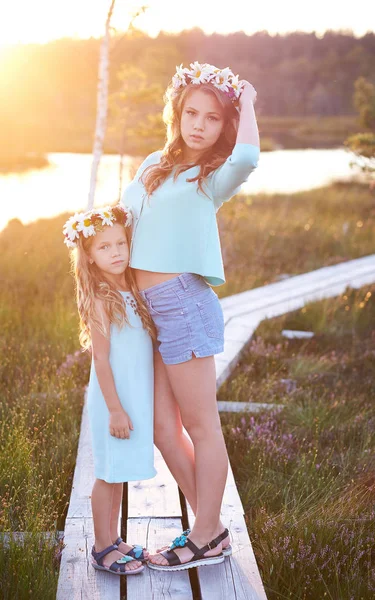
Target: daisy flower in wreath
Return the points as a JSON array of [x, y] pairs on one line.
[[106, 215], [199, 73], [70, 230], [178, 78], [222, 79], [86, 225], [236, 85]]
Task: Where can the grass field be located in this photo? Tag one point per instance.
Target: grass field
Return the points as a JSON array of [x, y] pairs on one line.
[[42, 372], [306, 474]]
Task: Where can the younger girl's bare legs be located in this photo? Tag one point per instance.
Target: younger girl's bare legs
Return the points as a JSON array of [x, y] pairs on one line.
[[101, 503], [115, 513]]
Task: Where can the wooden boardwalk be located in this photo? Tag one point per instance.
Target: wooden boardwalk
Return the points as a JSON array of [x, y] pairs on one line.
[[155, 512], [243, 312]]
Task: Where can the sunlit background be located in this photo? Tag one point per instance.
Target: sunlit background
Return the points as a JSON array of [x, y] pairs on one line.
[[45, 192], [44, 20]]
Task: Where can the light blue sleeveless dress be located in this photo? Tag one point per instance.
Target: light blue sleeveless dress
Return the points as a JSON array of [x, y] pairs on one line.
[[131, 358]]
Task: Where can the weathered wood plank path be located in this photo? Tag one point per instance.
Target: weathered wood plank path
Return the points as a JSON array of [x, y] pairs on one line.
[[155, 512]]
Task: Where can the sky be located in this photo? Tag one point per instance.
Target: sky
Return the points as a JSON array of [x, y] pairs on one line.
[[43, 20]]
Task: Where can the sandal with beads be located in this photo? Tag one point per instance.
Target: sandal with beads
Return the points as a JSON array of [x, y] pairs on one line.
[[118, 567], [197, 560], [136, 552]]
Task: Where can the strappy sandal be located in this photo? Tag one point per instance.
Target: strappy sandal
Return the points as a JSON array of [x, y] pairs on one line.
[[136, 552], [118, 567], [227, 551], [198, 560]]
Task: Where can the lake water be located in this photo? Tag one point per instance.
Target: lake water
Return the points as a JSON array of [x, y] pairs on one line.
[[63, 187]]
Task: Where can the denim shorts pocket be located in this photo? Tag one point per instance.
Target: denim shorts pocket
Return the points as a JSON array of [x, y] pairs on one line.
[[165, 305], [212, 316]]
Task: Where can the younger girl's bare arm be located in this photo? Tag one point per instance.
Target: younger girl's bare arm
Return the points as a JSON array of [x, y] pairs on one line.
[[119, 427]]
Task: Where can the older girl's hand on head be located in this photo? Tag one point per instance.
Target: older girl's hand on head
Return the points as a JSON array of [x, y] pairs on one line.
[[248, 93]]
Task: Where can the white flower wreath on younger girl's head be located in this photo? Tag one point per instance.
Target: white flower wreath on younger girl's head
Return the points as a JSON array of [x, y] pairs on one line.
[[87, 223], [222, 79]]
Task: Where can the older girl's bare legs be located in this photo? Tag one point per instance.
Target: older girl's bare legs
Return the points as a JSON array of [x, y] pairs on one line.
[[193, 385], [176, 448], [169, 437]]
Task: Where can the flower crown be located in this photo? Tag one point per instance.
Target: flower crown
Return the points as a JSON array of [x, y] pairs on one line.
[[222, 79], [86, 223]]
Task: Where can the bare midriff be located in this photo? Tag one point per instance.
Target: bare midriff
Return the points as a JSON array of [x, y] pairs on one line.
[[146, 279]]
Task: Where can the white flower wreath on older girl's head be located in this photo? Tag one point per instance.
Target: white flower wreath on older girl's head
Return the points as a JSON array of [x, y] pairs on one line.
[[86, 223], [223, 79]]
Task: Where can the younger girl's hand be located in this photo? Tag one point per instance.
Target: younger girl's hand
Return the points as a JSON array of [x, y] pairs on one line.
[[248, 94], [120, 424]]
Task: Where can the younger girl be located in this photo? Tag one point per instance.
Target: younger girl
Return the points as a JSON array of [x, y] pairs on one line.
[[115, 322], [212, 147]]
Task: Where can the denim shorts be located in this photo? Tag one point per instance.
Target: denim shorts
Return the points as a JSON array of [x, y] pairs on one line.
[[188, 318]]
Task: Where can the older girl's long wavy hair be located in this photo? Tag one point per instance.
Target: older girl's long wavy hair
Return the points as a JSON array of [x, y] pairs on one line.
[[91, 284], [154, 175]]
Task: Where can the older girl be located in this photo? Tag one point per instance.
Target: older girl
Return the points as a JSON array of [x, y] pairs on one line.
[[212, 147]]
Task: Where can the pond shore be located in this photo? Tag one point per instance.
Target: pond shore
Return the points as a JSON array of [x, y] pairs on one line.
[[22, 163], [276, 133]]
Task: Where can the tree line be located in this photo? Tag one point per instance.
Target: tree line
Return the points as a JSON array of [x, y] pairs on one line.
[[48, 92]]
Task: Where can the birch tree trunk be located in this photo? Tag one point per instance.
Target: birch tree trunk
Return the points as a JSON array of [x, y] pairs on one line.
[[102, 105]]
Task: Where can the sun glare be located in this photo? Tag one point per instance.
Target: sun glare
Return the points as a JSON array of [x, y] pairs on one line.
[[22, 21]]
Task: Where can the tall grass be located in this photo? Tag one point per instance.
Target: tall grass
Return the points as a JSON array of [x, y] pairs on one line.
[[40, 403], [42, 373], [267, 236], [306, 474]]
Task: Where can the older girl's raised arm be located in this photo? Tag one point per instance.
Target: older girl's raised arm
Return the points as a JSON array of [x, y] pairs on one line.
[[226, 181]]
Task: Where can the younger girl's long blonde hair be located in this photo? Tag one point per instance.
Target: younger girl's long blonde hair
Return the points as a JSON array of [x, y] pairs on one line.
[[91, 284], [154, 175]]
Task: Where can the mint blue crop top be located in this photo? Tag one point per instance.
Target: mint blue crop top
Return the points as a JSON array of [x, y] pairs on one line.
[[175, 229]]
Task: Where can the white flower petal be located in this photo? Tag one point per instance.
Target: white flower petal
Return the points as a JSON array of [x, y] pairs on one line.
[[69, 243]]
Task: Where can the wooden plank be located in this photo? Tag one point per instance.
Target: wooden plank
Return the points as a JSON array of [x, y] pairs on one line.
[[78, 580], [321, 278], [21, 537], [289, 304], [245, 576], [83, 480], [227, 360], [157, 497], [292, 334], [237, 330], [324, 276], [299, 295], [152, 584], [222, 371]]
